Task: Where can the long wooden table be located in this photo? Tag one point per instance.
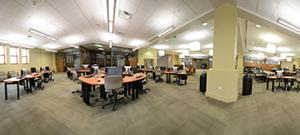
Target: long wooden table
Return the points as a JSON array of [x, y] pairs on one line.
[[89, 83], [273, 78]]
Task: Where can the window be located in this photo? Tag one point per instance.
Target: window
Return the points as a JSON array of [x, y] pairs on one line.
[[14, 55], [25, 56], [2, 54]]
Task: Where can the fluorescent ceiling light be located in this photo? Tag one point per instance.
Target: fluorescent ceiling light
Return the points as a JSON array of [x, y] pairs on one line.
[[258, 26], [41, 34], [195, 46], [111, 8], [161, 53], [288, 25], [211, 52], [283, 56], [198, 55], [74, 46], [98, 45], [51, 38], [101, 49], [271, 38], [48, 50], [271, 48], [51, 46], [136, 42], [183, 46], [195, 35], [110, 26], [283, 49], [166, 31], [204, 24], [37, 32], [161, 47]]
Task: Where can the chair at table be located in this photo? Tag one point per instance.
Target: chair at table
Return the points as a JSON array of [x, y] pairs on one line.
[[158, 75], [76, 80], [114, 87], [12, 74], [298, 79], [182, 77], [48, 75]]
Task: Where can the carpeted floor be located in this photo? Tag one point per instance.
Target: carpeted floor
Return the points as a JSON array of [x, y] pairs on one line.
[[167, 109]]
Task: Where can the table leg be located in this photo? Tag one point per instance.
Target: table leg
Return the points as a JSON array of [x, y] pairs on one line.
[[18, 91], [267, 83], [169, 78], [133, 88], [87, 91], [102, 92], [273, 80], [5, 90]]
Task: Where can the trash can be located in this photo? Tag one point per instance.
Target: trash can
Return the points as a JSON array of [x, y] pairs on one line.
[[202, 83], [247, 85]]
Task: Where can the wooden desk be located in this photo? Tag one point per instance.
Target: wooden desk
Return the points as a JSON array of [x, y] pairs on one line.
[[273, 78], [14, 80], [88, 83], [29, 78]]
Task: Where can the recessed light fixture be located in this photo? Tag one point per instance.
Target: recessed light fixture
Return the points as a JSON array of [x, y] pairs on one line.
[[289, 25], [166, 31], [289, 59], [204, 24], [258, 26]]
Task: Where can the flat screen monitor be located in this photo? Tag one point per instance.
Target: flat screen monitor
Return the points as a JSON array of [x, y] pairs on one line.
[[127, 68], [33, 70], [85, 66], [47, 68], [142, 66], [163, 68], [23, 72], [114, 71]]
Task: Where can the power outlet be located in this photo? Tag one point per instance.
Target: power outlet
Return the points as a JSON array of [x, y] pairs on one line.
[[219, 88]]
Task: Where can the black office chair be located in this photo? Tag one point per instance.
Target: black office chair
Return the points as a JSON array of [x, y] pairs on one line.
[[182, 77]]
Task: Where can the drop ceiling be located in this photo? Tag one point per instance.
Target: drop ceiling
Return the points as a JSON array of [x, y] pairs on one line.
[[76, 22]]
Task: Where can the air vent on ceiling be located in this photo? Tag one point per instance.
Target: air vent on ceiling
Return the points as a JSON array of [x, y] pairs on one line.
[[125, 15]]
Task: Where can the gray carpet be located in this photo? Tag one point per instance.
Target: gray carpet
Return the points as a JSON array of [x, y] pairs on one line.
[[167, 109]]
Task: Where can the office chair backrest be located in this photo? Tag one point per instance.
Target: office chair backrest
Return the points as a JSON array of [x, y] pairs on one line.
[[113, 82], [279, 73], [47, 68]]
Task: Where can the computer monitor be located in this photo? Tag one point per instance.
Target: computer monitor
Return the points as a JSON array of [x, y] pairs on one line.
[[47, 68], [95, 69], [33, 70], [23, 72], [175, 69], [142, 66], [114, 71], [85, 66], [134, 70], [163, 68], [127, 68]]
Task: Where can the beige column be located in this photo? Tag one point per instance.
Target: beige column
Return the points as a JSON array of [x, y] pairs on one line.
[[223, 79]]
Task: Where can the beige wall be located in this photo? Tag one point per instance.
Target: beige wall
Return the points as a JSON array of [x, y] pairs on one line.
[[147, 53], [289, 65], [37, 58]]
